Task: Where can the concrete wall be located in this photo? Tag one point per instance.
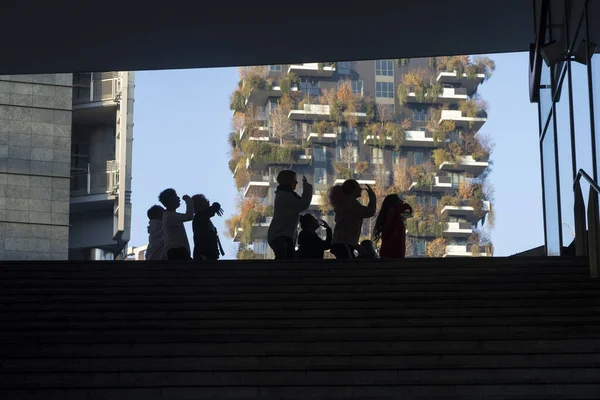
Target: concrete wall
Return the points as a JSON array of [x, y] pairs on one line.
[[35, 153]]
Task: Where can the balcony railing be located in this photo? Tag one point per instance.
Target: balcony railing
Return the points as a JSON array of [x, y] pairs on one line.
[[96, 87], [465, 250], [94, 182]]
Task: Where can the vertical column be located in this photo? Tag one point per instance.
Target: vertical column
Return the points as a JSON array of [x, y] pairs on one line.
[[35, 153]]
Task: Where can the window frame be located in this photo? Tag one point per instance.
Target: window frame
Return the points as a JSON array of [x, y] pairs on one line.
[[384, 90]]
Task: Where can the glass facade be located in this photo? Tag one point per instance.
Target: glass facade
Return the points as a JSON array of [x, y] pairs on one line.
[[567, 130]]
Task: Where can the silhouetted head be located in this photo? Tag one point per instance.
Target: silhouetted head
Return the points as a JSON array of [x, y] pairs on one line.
[[200, 202], [169, 199], [368, 249], [155, 212], [388, 203], [338, 193], [309, 223], [287, 178]]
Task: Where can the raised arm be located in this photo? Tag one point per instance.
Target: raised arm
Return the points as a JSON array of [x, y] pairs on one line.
[[367, 211], [189, 209], [304, 202]]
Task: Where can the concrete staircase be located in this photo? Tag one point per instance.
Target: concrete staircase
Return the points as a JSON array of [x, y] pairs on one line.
[[419, 329]]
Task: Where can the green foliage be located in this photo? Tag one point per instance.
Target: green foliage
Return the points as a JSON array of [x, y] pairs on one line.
[[275, 154], [371, 111], [336, 111], [256, 82], [441, 156], [432, 62], [404, 61], [238, 101], [342, 171], [449, 201], [433, 92], [402, 94], [286, 83], [419, 93], [322, 127], [245, 254], [395, 132], [425, 227], [362, 167]]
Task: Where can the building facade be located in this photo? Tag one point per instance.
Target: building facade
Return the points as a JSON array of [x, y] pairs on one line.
[[406, 126], [65, 167]]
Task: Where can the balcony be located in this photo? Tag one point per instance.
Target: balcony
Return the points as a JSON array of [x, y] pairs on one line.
[[96, 89], [447, 96], [466, 212], [466, 251], [439, 184], [319, 112], [457, 117], [419, 139], [259, 230], [258, 186], [365, 179], [458, 229], [312, 69], [464, 81], [466, 164], [96, 182], [259, 97], [325, 138]]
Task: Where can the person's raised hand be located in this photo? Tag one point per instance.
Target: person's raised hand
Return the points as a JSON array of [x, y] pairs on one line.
[[304, 180], [219, 209], [324, 224], [185, 197], [369, 189]]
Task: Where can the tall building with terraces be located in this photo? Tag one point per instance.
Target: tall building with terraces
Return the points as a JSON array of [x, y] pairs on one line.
[[406, 126]]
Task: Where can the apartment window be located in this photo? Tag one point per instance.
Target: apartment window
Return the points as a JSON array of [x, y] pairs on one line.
[[419, 157], [310, 88], [384, 68], [376, 156], [275, 68], [320, 176], [420, 114], [352, 134], [357, 87], [457, 179], [419, 247], [384, 89], [320, 153], [343, 68]]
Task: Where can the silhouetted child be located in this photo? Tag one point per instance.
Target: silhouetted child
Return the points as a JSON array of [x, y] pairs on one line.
[[310, 245], [366, 249], [156, 243], [207, 245], [390, 227], [176, 240], [286, 212], [349, 215]]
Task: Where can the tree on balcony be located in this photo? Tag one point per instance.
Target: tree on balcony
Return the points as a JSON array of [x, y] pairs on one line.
[[440, 130], [348, 155], [286, 83], [480, 241], [422, 83], [281, 125], [436, 248], [467, 65]]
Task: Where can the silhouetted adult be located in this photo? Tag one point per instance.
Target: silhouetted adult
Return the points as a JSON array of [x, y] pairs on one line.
[[349, 215], [286, 212]]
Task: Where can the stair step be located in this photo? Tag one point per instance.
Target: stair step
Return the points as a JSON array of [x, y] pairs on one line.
[[102, 363]]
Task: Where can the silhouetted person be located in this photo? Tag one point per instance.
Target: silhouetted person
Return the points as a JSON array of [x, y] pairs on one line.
[[310, 245], [176, 240], [207, 245], [366, 249], [390, 227], [286, 212], [349, 215], [156, 242]]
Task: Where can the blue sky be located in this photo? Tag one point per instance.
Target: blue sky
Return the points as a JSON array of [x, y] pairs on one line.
[[182, 121]]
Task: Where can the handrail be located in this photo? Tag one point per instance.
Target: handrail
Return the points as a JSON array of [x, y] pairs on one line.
[[587, 238], [582, 174]]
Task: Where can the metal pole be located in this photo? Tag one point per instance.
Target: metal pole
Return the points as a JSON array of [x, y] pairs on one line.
[[89, 180], [591, 92]]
